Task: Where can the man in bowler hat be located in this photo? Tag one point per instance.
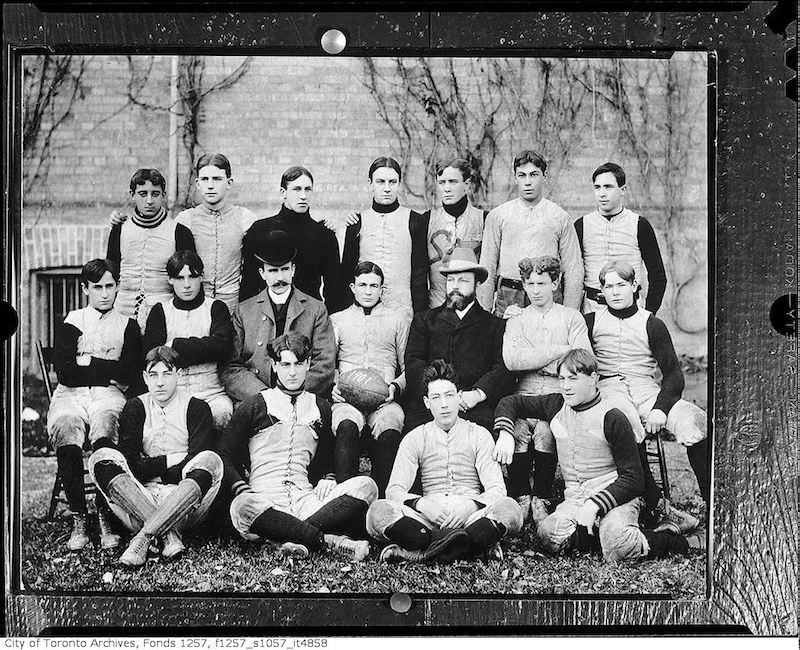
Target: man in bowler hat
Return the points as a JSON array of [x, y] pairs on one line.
[[464, 335], [277, 309]]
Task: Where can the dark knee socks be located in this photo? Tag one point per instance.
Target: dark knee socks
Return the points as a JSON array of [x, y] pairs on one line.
[[409, 533], [698, 459], [70, 466], [665, 542], [341, 515], [483, 534], [382, 455], [283, 527], [652, 493], [346, 451], [104, 471], [203, 478], [544, 473], [518, 482], [583, 542]]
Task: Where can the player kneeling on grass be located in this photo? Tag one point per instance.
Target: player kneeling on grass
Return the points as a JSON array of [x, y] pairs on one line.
[[163, 478], [463, 511], [600, 464], [283, 436], [369, 335]]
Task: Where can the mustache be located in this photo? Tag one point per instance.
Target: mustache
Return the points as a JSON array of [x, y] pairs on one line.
[[280, 283], [457, 299], [456, 292]]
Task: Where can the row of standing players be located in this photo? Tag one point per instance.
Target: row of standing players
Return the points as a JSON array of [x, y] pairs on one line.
[[277, 255]]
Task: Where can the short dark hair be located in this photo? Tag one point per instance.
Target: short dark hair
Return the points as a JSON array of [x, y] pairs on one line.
[[578, 360], [456, 163], [95, 269], [143, 175], [293, 173], [530, 156], [438, 369], [298, 344], [621, 268], [545, 264], [613, 168], [161, 353], [179, 259], [384, 161], [368, 267], [215, 159]]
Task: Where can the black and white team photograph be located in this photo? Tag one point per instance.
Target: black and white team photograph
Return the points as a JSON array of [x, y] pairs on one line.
[[365, 325]]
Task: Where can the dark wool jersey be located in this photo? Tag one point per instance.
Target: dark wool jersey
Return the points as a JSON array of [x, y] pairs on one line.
[[594, 440], [183, 425], [193, 350], [113, 342], [631, 343], [317, 259]]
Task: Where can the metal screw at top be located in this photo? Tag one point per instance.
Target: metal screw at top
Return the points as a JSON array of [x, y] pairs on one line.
[[333, 41]]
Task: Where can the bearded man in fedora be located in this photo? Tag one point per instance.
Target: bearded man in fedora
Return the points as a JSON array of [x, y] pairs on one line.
[[277, 309], [467, 337]]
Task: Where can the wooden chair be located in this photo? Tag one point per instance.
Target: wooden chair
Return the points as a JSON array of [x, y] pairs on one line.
[[44, 355], [654, 450]]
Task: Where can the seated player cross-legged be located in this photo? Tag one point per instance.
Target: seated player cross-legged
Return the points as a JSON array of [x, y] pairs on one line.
[[463, 510], [283, 436], [600, 464], [96, 357], [164, 477]]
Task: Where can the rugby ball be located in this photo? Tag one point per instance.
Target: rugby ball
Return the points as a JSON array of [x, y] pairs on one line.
[[363, 388]]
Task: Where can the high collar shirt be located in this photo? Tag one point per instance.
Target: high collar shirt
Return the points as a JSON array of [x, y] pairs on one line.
[[218, 236], [463, 312], [279, 298], [385, 239], [455, 462], [515, 230], [376, 340], [165, 430], [534, 341]]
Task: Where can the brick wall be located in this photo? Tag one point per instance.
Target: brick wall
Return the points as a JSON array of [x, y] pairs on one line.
[[317, 111]]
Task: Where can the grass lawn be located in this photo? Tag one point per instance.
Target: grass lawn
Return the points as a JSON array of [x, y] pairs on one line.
[[221, 563], [217, 562]]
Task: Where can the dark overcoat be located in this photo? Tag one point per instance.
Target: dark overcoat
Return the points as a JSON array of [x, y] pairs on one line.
[[473, 345]]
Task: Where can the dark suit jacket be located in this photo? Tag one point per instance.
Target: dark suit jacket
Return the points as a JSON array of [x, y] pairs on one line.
[[249, 370], [474, 346]]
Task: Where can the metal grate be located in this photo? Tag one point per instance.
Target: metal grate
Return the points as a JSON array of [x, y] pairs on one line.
[[58, 291]]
